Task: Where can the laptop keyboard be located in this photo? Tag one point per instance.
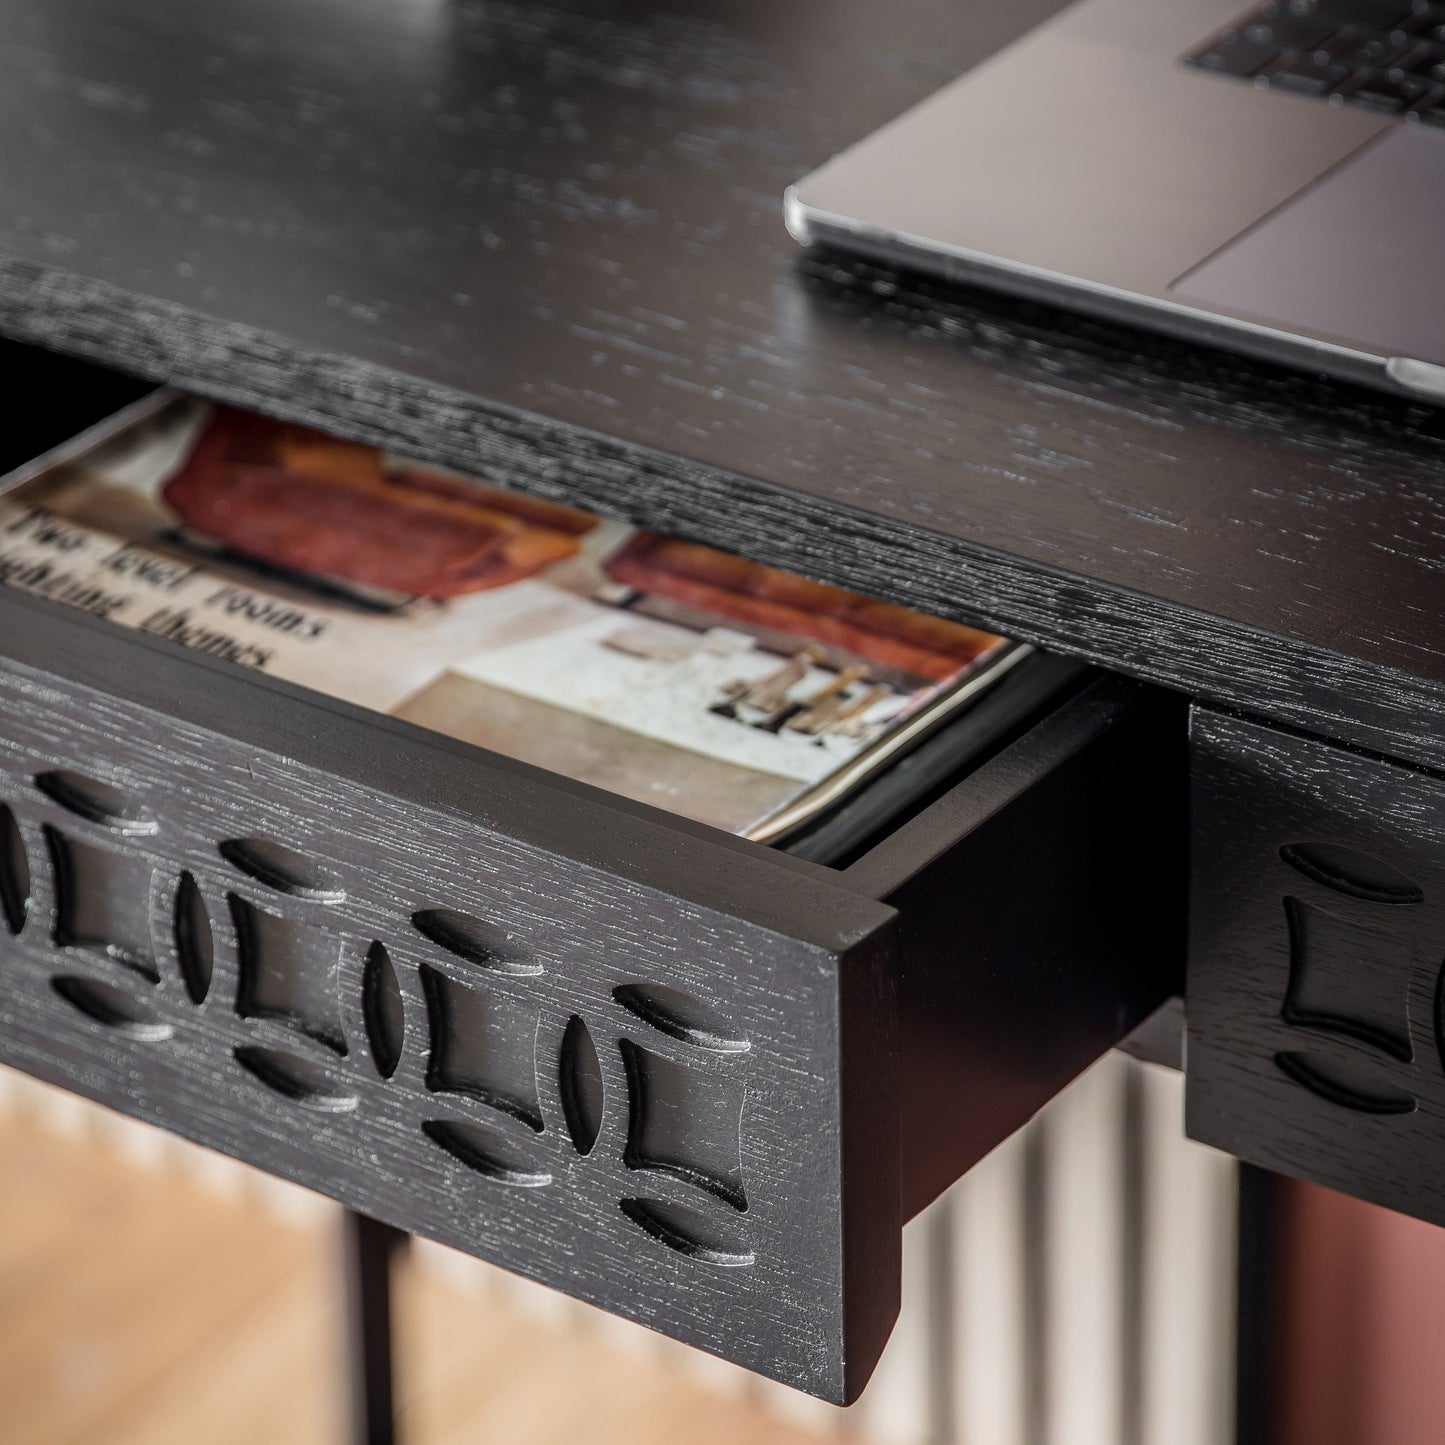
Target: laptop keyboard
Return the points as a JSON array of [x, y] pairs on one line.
[[1384, 55]]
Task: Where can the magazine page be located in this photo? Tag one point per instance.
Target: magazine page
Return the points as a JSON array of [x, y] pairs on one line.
[[652, 666]]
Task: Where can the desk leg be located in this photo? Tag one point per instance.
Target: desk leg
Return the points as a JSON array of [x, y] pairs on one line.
[[1261, 1238], [368, 1251]]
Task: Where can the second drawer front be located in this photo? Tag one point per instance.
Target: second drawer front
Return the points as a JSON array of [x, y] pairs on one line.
[[1316, 998]]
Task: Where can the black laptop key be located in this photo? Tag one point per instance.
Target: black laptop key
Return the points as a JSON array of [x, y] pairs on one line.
[[1236, 57], [1291, 32], [1382, 55], [1424, 63], [1386, 93], [1420, 23], [1307, 76], [1381, 15]]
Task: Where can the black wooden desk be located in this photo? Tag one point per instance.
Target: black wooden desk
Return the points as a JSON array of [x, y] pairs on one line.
[[542, 243]]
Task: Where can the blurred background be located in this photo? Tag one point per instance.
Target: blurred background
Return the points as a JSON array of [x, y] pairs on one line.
[[1077, 1288]]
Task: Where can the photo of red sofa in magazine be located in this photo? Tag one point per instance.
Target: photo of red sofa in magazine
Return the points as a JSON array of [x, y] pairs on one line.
[[733, 693]]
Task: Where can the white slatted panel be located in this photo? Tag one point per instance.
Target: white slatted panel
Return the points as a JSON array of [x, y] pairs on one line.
[[1097, 1228], [1188, 1277], [990, 1337], [896, 1407], [1083, 1258]]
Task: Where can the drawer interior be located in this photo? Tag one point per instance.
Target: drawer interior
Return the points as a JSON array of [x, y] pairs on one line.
[[694, 1080], [53, 399]]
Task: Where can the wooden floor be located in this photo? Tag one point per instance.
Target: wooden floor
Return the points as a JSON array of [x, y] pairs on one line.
[[138, 1307]]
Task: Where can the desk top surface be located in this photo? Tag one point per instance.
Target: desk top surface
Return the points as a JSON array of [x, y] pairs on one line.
[[542, 241]]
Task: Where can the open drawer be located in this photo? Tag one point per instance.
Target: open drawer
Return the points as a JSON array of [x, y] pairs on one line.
[[690, 1079]]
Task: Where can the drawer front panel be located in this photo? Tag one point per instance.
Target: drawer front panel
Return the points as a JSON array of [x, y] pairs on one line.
[[1316, 998], [634, 1098]]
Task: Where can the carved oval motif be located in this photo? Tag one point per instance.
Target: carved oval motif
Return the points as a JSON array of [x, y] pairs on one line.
[[1349, 871], [296, 1079], [1348, 1088], [14, 873], [580, 1078], [381, 1005], [282, 868], [680, 1015], [97, 802], [688, 1232], [481, 943], [105, 1004], [195, 945], [485, 1151]]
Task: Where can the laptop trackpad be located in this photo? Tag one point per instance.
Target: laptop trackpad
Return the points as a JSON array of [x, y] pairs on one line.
[[1356, 254]]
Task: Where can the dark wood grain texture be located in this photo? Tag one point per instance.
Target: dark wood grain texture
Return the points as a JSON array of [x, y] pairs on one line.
[[542, 243], [1316, 1043], [638, 1059], [1001, 998], [217, 920]]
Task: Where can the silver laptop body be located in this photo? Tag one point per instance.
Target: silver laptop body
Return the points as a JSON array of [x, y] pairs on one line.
[[1123, 159]]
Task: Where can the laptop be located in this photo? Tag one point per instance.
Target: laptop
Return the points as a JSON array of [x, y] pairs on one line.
[[1271, 180]]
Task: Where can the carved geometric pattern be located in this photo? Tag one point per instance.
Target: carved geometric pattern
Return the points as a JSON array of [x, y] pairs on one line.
[[580, 1085], [101, 900], [466, 1000], [1352, 917], [479, 1041], [14, 873], [289, 970], [684, 1123], [483, 1044], [1317, 963], [1328, 988]]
